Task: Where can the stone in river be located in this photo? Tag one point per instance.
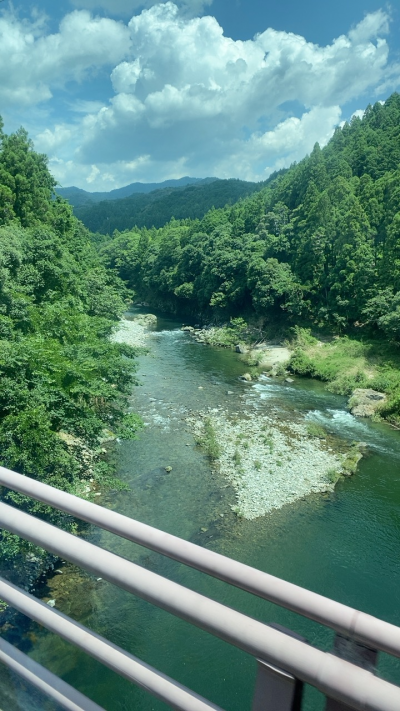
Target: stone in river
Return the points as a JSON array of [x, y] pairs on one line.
[[247, 377], [365, 402]]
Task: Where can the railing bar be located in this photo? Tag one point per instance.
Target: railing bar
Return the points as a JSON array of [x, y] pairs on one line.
[[346, 620], [44, 680], [160, 685], [331, 675]]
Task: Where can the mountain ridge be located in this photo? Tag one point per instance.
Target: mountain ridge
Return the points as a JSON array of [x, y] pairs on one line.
[[78, 196], [156, 208]]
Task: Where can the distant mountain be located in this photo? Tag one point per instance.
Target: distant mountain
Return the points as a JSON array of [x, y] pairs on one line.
[[157, 208], [78, 197]]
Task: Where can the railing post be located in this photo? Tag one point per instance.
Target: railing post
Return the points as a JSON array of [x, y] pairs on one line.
[[276, 689], [356, 653]]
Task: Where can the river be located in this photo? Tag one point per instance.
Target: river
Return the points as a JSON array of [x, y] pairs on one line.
[[342, 544]]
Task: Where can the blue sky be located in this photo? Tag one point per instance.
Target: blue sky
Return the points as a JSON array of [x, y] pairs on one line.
[[117, 91]]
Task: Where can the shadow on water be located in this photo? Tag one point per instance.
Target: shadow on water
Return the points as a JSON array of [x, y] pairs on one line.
[[344, 544]]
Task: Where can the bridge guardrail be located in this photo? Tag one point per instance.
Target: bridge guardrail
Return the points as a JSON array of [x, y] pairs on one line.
[[336, 678]]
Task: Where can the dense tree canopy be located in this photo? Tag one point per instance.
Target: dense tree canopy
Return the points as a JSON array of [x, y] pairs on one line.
[[63, 383], [158, 207], [320, 243]]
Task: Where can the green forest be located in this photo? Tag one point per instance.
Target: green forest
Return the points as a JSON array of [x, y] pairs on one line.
[[156, 208], [63, 383], [315, 249], [320, 243], [318, 247]]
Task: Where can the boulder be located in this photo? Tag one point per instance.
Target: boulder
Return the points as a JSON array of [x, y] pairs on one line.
[[365, 402], [240, 348], [247, 377]]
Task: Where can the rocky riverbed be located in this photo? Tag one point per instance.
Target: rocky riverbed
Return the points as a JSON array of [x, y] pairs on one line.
[[136, 331], [269, 463]]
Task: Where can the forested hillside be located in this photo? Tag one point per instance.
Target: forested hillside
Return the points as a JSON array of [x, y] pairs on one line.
[[320, 244], [77, 197], [158, 207], [63, 383]]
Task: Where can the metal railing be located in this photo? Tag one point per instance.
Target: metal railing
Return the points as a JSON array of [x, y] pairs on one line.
[[285, 661]]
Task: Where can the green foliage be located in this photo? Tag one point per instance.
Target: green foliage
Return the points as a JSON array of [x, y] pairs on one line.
[[62, 381], [319, 243], [316, 430], [237, 458], [351, 460], [159, 206], [130, 424], [209, 440], [301, 363]]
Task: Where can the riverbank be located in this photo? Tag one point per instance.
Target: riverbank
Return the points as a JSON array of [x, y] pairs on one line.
[[246, 340], [367, 372]]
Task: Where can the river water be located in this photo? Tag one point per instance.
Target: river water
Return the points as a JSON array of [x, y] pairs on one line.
[[344, 544]]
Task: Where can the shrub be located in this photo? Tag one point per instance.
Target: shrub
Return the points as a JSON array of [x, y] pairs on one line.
[[316, 430]]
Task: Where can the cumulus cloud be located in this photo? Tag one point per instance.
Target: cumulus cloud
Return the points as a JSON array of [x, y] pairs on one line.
[[186, 98], [129, 7], [289, 141], [32, 62], [190, 93], [114, 175]]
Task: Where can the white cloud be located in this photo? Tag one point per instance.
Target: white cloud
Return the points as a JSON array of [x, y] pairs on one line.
[[94, 173], [358, 114], [32, 62], [187, 98], [129, 7], [289, 141], [189, 92], [49, 141], [108, 176]]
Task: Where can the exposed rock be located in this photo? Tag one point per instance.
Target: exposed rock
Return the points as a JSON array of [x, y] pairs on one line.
[[289, 380], [107, 436], [247, 377], [241, 348], [168, 469], [148, 320], [365, 402], [187, 328], [132, 332], [69, 439]]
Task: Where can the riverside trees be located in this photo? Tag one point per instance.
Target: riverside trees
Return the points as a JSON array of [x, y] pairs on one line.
[[319, 243], [63, 383]]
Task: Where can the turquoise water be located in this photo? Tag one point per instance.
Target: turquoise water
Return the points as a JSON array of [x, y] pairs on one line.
[[344, 545]]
